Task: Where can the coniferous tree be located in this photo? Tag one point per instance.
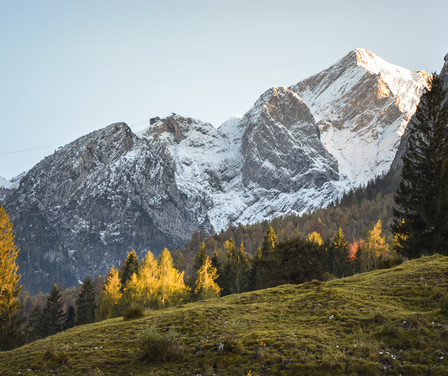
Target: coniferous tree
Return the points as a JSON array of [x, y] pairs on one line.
[[70, 317], [129, 268], [375, 247], [110, 296], [33, 327], [171, 282], [263, 263], [237, 269], [421, 219], [53, 316], [199, 261], [339, 252], [11, 335], [85, 303], [206, 286], [148, 281]]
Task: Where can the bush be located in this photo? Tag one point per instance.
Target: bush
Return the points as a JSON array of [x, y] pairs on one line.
[[133, 312], [390, 262], [159, 347]]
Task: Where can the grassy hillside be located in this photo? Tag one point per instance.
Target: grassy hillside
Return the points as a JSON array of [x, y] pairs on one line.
[[391, 321]]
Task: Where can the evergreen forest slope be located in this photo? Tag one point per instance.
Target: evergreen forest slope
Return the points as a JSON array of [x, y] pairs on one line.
[[392, 321], [357, 212]]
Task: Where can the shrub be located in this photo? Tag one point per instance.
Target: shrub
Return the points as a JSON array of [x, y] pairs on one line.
[[159, 347], [390, 262], [133, 312]]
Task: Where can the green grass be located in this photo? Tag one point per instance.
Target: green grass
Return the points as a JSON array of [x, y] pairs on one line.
[[382, 322]]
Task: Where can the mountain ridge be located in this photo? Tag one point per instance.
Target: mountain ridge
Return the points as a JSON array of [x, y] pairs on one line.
[[113, 190]]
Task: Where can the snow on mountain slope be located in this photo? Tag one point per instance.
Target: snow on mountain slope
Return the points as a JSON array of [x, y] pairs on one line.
[[362, 105], [296, 150]]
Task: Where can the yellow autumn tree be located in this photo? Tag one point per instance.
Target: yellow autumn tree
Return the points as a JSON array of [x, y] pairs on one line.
[[11, 335], [374, 247], [314, 237], [171, 283], [148, 280], [110, 296], [206, 286]]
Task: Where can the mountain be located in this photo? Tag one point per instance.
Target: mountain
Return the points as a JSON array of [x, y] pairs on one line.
[[296, 150]]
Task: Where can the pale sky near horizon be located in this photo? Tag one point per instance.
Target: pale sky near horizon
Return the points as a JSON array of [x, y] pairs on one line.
[[71, 67]]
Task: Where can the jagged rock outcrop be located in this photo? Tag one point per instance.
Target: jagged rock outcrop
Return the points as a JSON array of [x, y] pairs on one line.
[[362, 105], [297, 149]]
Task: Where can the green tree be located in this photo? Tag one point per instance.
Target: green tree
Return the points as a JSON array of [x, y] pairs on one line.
[[237, 268], [421, 219], [339, 253], [85, 303], [11, 335], [53, 316], [33, 327], [70, 317], [206, 286], [130, 267], [199, 261]]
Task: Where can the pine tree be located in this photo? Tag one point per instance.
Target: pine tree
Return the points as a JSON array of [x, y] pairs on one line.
[[53, 316], [11, 335], [85, 303], [129, 268], [206, 286], [421, 220], [33, 327], [70, 317], [171, 282]]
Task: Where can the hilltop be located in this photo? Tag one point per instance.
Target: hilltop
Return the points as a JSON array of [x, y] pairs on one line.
[[390, 321]]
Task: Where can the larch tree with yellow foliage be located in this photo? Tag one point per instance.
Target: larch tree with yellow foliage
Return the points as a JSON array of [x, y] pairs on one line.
[[171, 283], [11, 335], [110, 296], [148, 281], [374, 247], [206, 286]]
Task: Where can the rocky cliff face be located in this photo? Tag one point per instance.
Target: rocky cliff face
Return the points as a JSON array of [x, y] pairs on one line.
[[362, 105], [297, 149]]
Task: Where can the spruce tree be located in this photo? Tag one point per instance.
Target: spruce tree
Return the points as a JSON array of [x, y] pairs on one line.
[[421, 219], [238, 269], [33, 327], [85, 303], [53, 316], [70, 317], [129, 268], [339, 251], [11, 335]]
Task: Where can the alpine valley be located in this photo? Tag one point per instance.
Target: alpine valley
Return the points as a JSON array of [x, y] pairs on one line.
[[298, 149]]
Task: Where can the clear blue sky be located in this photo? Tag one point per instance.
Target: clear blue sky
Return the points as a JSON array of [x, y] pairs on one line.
[[70, 67]]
